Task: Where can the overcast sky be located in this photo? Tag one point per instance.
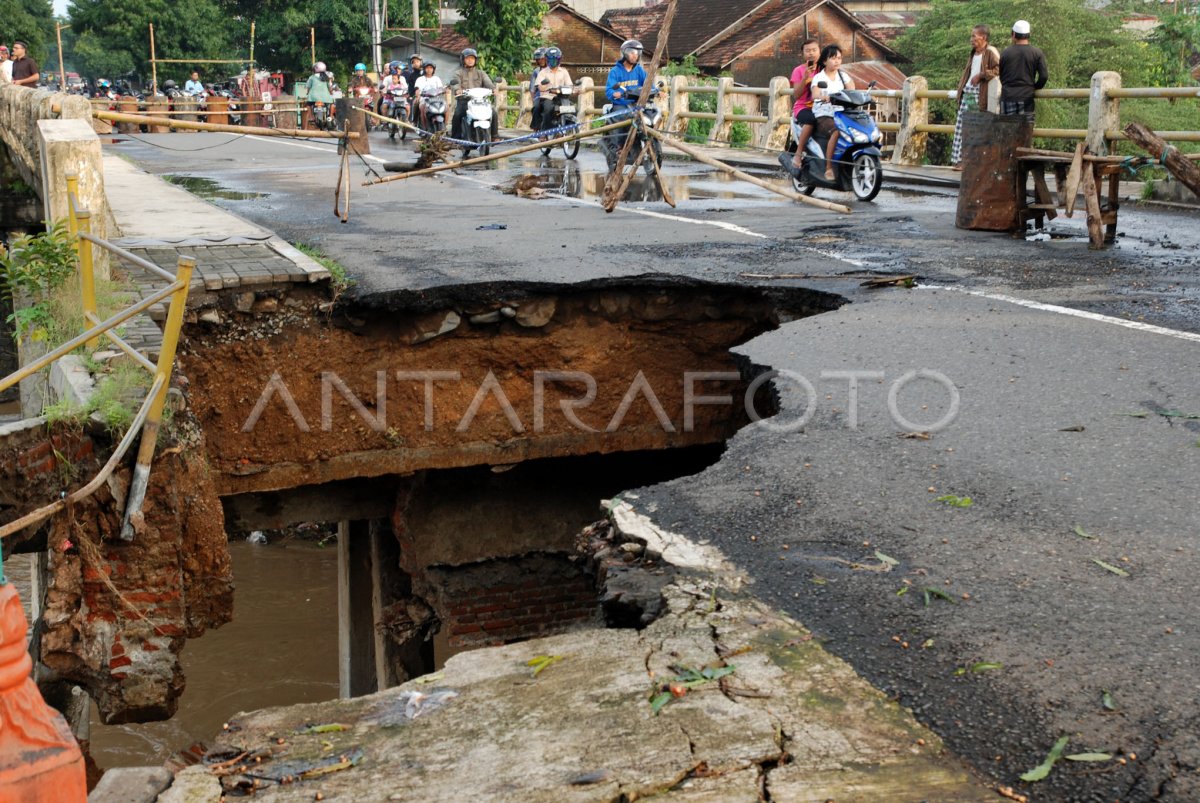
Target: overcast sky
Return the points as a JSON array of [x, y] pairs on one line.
[[60, 8]]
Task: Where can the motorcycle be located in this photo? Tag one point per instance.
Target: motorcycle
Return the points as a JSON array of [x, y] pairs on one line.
[[433, 111], [651, 117], [395, 106], [322, 116], [856, 156], [363, 95], [477, 124], [564, 114]]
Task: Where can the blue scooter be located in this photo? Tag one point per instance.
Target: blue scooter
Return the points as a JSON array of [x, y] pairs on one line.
[[856, 155]]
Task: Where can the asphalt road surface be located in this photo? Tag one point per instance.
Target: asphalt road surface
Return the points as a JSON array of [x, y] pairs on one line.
[[1068, 379]]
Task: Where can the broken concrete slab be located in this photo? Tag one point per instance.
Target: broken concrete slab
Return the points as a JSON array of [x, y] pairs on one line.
[[787, 718], [131, 785]]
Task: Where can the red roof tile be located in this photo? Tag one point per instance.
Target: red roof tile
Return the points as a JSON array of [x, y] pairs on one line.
[[885, 74], [762, 24], [642, 24]]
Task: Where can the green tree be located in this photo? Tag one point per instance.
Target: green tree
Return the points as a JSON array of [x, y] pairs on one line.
[[282, 32], [112, 37], [400, 15], [1077, 40], [30, 21], [503, 31]]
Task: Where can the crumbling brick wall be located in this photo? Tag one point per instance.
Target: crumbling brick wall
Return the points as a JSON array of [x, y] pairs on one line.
[[500, 601], [116, 614]]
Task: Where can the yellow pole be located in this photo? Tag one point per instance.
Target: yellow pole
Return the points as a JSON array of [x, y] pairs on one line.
[[312, 45], [153, 64], [87, 274], [251, 75], [166, 361], [72, 197]]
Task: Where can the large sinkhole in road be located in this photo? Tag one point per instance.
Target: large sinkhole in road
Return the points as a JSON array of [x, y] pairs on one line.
[[457, 440]]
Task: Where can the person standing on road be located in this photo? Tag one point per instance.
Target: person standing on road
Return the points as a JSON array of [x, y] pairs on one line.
[[468, 76], [24, 69], [802, 109], [982, 67], [1022, 72]]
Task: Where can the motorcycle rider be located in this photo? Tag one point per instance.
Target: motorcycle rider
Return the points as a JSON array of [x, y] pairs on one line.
[[361, 80], [393, 82], [468, 76], [626, 76], [411, 74], [193, 86], [550, 78], [319, 86], [539, 61], [428, 84]]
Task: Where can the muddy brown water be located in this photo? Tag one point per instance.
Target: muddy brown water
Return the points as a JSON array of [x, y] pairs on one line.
[[280, 649]]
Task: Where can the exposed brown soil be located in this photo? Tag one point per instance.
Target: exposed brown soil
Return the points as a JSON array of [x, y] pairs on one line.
[[611, 336]]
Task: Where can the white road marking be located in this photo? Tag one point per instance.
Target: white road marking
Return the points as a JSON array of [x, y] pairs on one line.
[[285, 141], [1074, 313], [720, 224], [1036, 305]]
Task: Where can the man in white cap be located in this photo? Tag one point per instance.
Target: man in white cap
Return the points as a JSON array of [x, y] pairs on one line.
[[1022, 72]]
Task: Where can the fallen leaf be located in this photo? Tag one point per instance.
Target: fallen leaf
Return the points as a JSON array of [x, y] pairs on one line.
[[1089, 757], [890, 561], [1119, 572], [1082, 533], [1076, 428], [1178, 414], [916, 436], [956, 501], [931, 592], [659, 700], [332, 727], [1106, 700], [1134, 415], [541, 662], [1042, 770]]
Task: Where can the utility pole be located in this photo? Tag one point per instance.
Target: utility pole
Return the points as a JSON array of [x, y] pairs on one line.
[[375, 25], [416, 12]]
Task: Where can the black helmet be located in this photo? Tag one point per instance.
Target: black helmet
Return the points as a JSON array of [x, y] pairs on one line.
[[631, 44], [168, 84], [470, 51]]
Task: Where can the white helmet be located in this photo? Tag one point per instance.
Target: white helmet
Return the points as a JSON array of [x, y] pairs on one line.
[[319, 67]]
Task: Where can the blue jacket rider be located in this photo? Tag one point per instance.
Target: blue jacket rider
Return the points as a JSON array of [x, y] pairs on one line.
[[625, 75]]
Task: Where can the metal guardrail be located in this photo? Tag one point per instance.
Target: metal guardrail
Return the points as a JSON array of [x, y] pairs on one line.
[[149, 416]]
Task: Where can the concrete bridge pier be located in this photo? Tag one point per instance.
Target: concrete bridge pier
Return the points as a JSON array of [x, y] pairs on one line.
[[370, 585]]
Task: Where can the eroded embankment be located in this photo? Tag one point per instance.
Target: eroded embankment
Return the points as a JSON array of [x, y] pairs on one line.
[[485, 374]]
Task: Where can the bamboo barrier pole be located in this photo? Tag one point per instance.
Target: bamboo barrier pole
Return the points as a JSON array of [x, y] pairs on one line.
[[550, 143], [766, 185], [118, 117]]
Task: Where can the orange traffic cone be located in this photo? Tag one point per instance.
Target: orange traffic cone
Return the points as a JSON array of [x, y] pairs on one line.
[[40, 761]]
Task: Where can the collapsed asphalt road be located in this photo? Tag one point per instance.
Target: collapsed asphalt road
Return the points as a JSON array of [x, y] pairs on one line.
[[1074, 437]]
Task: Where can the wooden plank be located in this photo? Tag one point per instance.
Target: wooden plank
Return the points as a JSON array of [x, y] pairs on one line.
[[1042, 191], [1091, 196], [1073, 175], [1042, 206], [1169, 156], [1114, 204]]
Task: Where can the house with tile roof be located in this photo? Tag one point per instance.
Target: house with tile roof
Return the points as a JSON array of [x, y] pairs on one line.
[[754, 40]]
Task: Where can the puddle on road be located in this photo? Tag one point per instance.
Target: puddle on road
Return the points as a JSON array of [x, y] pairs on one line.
[[210, 190]]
